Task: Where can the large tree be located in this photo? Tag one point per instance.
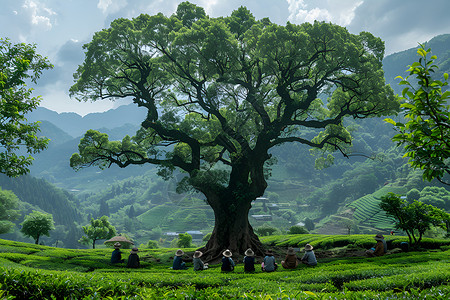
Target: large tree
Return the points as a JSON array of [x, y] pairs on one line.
[[220, 93], [98, 229], [19, 63]]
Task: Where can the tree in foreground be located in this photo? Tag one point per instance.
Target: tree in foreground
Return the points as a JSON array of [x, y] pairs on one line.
[[99, 229], [414, 218], [221, 93], [18, 63], [8, 210], [426, 133], [37, 224]]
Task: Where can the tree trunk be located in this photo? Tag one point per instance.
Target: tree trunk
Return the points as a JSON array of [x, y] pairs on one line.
[[232, 229], [37, 240]]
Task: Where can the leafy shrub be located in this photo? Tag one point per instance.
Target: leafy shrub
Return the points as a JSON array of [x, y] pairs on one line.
[[296, 229]]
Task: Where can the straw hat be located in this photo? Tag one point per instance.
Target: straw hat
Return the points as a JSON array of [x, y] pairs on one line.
[[308, 247], [290, 251], [179, 252], [379, 237], [269, 252], [134, 250], [197, 254], [227, 253], [249, 252], [117, 245]]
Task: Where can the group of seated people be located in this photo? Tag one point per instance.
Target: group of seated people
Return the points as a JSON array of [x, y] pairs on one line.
[[269, 264]]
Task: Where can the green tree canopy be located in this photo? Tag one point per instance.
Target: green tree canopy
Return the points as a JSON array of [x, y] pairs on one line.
[[99, 229], [413, 218], [8, 210], [426, 131], [220, 93], [18, 63], [37, 224]]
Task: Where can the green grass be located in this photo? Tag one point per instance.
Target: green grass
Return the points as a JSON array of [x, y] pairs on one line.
[[39, 272]]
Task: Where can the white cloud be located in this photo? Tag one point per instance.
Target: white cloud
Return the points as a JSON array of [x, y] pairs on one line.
[[111, 6], [40, 16], [341, 13]]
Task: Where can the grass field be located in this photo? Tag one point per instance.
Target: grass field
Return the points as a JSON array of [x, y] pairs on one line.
[[29, 271]]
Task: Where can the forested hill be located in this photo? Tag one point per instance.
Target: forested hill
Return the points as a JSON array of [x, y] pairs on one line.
[[396, 64], [41, 194]]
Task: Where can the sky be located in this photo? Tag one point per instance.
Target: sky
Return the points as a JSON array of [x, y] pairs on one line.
[[59, 28]]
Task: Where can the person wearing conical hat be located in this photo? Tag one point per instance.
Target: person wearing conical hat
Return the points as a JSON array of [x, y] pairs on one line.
[[291, 261], [249, 261], [133, 259], [178, 263], [379, 249], [227, 262], [116, 256], [199, 265], [309, 258]]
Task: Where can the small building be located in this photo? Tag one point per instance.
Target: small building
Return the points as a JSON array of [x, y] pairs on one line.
[[262, 217]]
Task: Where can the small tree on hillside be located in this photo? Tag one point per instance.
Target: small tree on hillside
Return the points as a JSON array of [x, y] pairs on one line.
[[99, 229], [184, 240], [8, 211], [413, 218], [37, 224]]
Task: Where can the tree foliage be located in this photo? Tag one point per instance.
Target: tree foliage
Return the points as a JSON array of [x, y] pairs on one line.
[[413, 218], [221, 92], [426, 131], [37, 224], [18, 63], [99, 229], [184, 240], [8, 210]]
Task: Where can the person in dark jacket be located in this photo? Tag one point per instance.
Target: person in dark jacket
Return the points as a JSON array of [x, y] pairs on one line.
[[249, 261], [227, 262], [133, 259], [199, 265], [178, 263], [290, 262], [116, 256]]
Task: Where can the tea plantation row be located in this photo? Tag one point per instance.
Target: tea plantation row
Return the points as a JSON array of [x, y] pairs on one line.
[[37, 272]]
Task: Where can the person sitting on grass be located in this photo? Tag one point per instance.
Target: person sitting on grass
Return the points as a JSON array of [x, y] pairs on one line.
[[379, 249], [269, 264], [199, 265], [290, 262], [309, 258], [227, 262], [249, 261], [116, 256], [133, 259], [178, 263]]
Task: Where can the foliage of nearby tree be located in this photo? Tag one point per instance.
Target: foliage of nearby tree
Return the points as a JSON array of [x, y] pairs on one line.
[[99, 229], [8, 210], [265, 230], [297, 229], [18, 64], [184, 240], [426, 132], [223, 92], [413, 218], [37, 224], [152, 244]]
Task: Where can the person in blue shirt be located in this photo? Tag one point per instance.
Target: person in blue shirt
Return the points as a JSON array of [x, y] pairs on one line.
[[249, 261], [309, 258], [269, 264], [116, 256], [178, 263], [227, 262]]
